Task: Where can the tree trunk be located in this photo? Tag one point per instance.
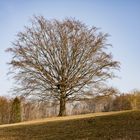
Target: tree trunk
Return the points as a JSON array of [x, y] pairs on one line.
[[62, 109]]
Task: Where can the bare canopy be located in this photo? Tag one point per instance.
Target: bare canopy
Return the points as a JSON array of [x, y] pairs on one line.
[[56, 60]]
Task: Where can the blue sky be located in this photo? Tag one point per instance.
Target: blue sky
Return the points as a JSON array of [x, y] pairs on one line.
[[119, 18]]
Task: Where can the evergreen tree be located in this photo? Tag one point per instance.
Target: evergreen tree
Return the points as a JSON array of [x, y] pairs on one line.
[[15, 111]]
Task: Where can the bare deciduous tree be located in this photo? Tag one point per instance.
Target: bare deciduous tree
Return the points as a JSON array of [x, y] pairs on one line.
[[5, 106], [56, 60]]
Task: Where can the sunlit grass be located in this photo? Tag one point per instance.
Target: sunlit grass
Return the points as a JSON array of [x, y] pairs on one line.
[[116, 126]]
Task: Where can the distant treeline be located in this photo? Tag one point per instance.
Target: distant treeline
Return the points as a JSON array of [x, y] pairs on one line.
[[20, 109], [10, 110]]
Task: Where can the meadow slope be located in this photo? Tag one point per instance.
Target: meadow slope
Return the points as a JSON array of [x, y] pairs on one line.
[[123, 125]]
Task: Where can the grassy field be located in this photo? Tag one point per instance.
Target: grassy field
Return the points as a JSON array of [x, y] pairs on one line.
[[99, 126]]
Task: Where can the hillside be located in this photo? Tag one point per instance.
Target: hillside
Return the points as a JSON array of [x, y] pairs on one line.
[[97, 126]]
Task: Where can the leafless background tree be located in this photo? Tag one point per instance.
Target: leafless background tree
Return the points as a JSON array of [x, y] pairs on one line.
[[31, 109], [60, 60]]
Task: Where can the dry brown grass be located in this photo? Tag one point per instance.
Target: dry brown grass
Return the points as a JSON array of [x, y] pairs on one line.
[[123, 125], [64, 118]]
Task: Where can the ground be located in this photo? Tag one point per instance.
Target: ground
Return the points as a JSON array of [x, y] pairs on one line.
[[97, 126]]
